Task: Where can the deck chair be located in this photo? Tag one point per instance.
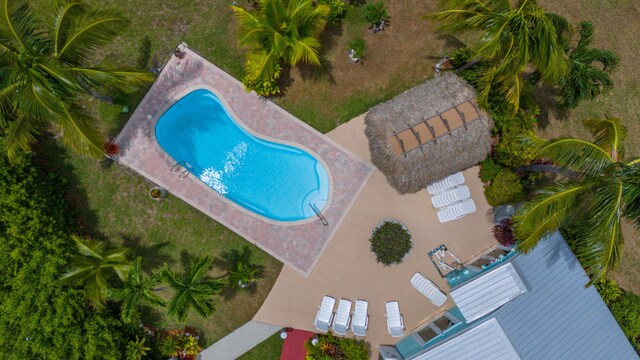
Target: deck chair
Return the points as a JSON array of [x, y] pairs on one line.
[[395, 322], [443, 184], [451, 196], [343, 317], [325, 314], [453, 119], [456, 211], [360, 318], [428, 289]]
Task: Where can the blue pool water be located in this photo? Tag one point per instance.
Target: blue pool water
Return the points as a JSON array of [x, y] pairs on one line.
[[277, 181]]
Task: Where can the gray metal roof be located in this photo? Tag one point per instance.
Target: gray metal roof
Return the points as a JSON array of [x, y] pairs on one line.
[[487, 293], [558, 318], [485, 341]]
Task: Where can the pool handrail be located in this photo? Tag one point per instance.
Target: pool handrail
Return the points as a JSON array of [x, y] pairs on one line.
[[319, 214]]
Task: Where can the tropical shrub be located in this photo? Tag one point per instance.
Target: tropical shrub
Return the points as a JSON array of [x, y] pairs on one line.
[[512, 152], [508, 121], [338, 10], [181, 343], [488, 170], [503, 232], [263, 87], [390, 242], [39, 319], [608, 289], [358, 47], [332, 347], [461, 56], [376, 13], [505, 188], [626, 310]]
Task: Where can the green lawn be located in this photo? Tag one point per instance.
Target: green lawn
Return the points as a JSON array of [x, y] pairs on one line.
[[267, 350]]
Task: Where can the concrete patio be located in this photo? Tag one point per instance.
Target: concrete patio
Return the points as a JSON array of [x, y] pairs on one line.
[[347, 269]]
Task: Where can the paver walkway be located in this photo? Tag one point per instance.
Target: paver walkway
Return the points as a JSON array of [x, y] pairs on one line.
[[239, 342]]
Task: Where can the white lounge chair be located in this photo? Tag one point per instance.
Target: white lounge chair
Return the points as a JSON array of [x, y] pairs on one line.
[[451, 196], [343, 317], [395, 322], [448, 182], [428, 289], [456, 211], [325, 314], [360, 319]]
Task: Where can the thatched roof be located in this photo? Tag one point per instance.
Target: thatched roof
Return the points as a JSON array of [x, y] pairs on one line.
[[457, 150]]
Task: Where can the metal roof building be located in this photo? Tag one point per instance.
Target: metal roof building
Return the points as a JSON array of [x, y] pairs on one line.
[[554, 317]]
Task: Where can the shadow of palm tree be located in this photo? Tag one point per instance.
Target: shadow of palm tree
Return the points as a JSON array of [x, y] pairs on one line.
[[153, 255], [547, 99]]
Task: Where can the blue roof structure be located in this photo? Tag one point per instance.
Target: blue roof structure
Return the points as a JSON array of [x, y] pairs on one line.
[[556, 318]]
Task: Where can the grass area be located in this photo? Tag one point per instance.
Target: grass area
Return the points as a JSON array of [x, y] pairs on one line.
[[269, 349]]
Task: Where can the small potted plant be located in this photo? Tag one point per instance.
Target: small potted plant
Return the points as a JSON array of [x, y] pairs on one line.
[[356, 54], [376, 16], [157, 193], [390, 242], [111, 149]]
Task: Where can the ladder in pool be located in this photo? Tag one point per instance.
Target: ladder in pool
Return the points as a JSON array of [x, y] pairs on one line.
[[185, 165], [319, 214]]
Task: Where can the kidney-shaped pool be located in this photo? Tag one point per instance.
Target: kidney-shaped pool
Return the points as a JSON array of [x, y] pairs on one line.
[[276, 181]]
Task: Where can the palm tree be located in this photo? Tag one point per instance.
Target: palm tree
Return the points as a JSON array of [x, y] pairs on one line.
[[93, 265], [137, 289], [136, 350], [44, 73], [281, 30], [192, 289], [584, 80], [602, 188], [515, 35]]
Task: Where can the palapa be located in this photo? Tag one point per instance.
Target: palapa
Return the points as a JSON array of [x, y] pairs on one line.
[[433, 160]]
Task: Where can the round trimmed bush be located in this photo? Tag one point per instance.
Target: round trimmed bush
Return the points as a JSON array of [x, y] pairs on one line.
[[390, 242]]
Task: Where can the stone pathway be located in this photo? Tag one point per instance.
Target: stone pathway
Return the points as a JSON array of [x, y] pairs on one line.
[[239, 342]]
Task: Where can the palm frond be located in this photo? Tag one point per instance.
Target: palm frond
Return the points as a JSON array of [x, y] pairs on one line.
[[581, 156], [100, 79], [17, 24], [609, 134], [546, 213], [79, 132], [305, 50], [600, 246], [66, 13], [632, 192], [261, 65], [85, 31]]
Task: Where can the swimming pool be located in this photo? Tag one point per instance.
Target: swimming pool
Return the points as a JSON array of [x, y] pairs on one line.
[[276, 181]]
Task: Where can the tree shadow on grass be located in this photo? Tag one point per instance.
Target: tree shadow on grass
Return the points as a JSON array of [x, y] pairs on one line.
[[547, 99], [324, 72], [153, 255], [51, 157]]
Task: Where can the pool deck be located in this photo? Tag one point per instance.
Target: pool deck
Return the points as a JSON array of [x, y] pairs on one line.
[[348, 270], [297, 244]]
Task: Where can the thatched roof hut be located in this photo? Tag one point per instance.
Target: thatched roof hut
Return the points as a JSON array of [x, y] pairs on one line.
[[410, 159]]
